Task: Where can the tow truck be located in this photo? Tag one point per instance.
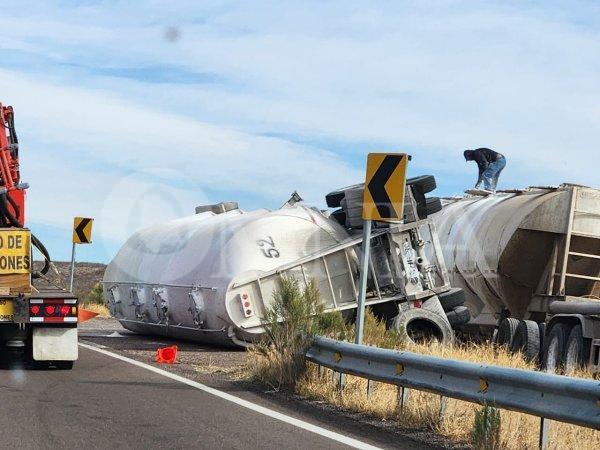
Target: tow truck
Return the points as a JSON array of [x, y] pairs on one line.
[[38, 321]]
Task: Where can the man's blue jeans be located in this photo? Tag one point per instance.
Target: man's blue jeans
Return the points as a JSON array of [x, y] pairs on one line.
[[492, 173]]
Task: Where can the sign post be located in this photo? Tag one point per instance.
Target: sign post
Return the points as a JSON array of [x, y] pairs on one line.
[[383, 201], [82, 234], [362, 283]]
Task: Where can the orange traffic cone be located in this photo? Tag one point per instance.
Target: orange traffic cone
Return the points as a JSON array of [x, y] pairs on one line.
[[83, 315], [166, 355]]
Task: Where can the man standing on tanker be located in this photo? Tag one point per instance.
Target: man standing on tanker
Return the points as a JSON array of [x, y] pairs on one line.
[[490, 165]]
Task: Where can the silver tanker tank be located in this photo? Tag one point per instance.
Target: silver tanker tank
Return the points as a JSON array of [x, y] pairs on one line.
[[182, 278], [505, 249]]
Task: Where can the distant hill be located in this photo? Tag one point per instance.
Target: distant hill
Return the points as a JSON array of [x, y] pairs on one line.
[[87, 275]]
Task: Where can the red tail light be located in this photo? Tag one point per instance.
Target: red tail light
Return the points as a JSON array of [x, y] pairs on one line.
[[246, 305], [53, 310]]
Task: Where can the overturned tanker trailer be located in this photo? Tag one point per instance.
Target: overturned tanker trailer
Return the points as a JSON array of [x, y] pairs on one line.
[[529, 263], [211, 276]]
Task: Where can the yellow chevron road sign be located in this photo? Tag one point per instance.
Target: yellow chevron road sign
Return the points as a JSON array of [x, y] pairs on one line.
[[82, 230], [384, 186]]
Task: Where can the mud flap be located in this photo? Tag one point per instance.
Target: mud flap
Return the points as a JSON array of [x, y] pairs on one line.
[[55, 344]]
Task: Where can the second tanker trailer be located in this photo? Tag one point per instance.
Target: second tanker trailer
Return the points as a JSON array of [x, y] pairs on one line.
[[529, 263]]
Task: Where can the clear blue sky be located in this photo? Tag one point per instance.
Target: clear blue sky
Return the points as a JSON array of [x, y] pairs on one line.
[[136, 112]]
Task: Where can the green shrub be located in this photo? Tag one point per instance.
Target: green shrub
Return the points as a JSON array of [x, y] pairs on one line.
[[376, 333], [332, 324], [95, 296], [293, 317], [486, 429]]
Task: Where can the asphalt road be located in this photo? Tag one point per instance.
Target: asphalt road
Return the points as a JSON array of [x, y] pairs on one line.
[[118, 397], [107, 403]]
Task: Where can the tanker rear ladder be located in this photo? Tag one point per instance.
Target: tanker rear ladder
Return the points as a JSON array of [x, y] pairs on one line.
[[333, 299], [577, 213]]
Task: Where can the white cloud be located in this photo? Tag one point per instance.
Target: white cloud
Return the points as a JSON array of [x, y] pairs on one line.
[[431, 78], [88, 153], [441, 76]]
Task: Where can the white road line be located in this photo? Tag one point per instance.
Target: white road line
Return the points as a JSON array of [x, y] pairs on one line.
[[241, 402]]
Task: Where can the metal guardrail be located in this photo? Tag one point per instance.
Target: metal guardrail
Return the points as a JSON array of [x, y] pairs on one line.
[[561, 398]]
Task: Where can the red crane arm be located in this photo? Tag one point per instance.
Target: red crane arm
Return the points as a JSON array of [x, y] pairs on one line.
[[10, 182]]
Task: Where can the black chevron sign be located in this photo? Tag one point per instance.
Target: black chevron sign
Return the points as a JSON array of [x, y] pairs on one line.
[[82, 230], [385, 184]]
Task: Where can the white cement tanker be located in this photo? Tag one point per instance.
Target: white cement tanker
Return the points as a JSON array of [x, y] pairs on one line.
[[210, 277], [179, 278]]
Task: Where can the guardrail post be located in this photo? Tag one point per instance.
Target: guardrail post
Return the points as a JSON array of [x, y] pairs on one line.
[[544, 432], [370, 386], [443, 406], [339, 380], [403, 396], [321, 371]]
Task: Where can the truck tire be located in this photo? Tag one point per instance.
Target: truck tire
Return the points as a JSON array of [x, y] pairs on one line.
[[434, 204], [577, 350], [527, 340], [542, 328], [353, 211], [410, 215], [339, 215], [420, 325], [385, 312], [425, 183], [451, 299], [554, 347], [355, 194], [334, 199], [459, 316], [354, 222], [506, 331]]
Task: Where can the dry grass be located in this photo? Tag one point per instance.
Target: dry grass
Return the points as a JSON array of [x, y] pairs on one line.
[[212, 368], [517, 431], [101, 310], [94, 301]]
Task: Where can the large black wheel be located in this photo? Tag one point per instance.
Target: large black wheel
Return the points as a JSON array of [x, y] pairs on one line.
[[527, 340], [354, 211], [334, 199], [459, 316], [425, 183], [577, 350], [339, 215], [434, 204], [354, 222], [542, 328], [355, 194], [451, 299], [386, 313], [506, 331], [554, 348], [421, 325]]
